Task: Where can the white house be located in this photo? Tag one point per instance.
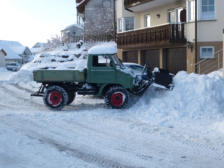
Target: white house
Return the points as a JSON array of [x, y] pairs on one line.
[[72, 33], [38, 48], [2, 58], [16, 51], [172, 34]]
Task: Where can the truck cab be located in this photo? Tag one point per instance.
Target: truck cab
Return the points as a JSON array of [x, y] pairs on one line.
[[107, 69]]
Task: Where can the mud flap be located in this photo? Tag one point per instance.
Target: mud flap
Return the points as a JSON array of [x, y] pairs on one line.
[[164, 78]]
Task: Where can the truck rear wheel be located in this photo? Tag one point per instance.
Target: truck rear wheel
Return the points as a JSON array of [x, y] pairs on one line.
[[55, 97], [116, 97]]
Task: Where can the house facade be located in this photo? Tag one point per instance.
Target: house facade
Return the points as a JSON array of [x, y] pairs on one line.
[[16, 52], [72, 33], [165, 33], [97, 18], [2, 58]]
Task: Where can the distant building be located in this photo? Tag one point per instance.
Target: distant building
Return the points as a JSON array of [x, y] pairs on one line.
[[98, 18], [38, 48], [15, 51], [2, 58], [72, 33]]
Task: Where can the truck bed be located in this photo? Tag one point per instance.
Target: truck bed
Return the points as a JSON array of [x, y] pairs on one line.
[[59, 76]]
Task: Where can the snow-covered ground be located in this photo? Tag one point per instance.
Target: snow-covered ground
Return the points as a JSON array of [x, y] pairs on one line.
[[163, 129], [182, 128]]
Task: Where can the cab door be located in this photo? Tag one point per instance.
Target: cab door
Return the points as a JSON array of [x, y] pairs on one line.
[[102, 70]]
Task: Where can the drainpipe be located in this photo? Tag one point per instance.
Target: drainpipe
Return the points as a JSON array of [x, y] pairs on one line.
[[115, 22], [196, 34], [223, 54]]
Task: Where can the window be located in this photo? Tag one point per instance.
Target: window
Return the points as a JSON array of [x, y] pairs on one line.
[[125, 24], [147, 21], [172, 17], [207, 52], [191, 10], [207, 9], [128, 23], [101, 61], [119, 25], [175, 16]]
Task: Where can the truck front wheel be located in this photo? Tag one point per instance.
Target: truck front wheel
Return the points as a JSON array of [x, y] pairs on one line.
[[55, 97], [116, 97]]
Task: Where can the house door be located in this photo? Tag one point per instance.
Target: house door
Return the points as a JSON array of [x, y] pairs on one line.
[[130, 56], [175, 60], [150, 57]]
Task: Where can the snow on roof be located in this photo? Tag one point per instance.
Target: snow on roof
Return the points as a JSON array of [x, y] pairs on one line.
[[80, 3], [10, 53], [39, 45], [13, 45], [68, 28], [104, 48]]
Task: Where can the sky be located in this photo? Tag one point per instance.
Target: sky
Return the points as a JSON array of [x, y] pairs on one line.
[[31, 21]]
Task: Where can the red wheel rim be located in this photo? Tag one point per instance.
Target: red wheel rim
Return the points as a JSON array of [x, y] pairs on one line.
[[54, 98], [117, 99]]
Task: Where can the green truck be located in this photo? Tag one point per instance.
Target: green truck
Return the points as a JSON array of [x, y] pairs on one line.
[[105, 76]]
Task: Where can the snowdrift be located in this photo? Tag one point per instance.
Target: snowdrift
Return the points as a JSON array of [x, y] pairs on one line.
[[194, 96], [60, 58]]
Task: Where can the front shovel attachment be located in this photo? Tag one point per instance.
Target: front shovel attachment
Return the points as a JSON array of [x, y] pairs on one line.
[[164, 78]]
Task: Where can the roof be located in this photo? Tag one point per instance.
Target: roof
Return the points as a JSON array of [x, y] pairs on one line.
[[3, 51], [12, 49], [17, 47], [39, 45], [73, 26], [10, 54], [80, 5], [103, 48]]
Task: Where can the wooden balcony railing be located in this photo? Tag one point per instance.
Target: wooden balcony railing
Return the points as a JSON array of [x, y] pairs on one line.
[[130, 3], [165, 34]]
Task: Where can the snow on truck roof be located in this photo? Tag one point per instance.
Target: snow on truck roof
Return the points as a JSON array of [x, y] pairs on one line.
[[104, 48]]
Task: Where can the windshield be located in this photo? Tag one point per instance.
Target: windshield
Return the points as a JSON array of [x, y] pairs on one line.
[[117, 61]]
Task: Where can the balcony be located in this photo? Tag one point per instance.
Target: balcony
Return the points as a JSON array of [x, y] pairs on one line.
[[130, 3], [165, 35], [142, 5]]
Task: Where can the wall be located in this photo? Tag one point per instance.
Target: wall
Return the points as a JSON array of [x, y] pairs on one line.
[[162, 11], [99, 19], [13, 61], [2, 59], [139, 16], [212, 30]]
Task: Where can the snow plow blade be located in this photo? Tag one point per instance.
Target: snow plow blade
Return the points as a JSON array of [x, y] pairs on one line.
[[164, 78]]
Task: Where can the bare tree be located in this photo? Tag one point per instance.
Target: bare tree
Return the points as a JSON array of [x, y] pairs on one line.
[[54, 42]]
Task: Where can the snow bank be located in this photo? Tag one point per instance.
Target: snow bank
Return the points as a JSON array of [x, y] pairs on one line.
[[61, 58], [194, 96], [104, 48], [3, 69]]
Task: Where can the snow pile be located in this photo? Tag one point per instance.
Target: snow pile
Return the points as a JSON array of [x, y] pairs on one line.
[[104, 48], [61, 58], [21, 76], [2, 69], [194, 96]]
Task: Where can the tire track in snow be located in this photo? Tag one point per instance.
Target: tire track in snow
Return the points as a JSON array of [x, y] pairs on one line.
[[22, 88], [16, 96], [93, 158]]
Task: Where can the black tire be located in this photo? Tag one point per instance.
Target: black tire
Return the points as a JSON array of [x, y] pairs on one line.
[[71, 97], [116, 97], [55, 97]]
